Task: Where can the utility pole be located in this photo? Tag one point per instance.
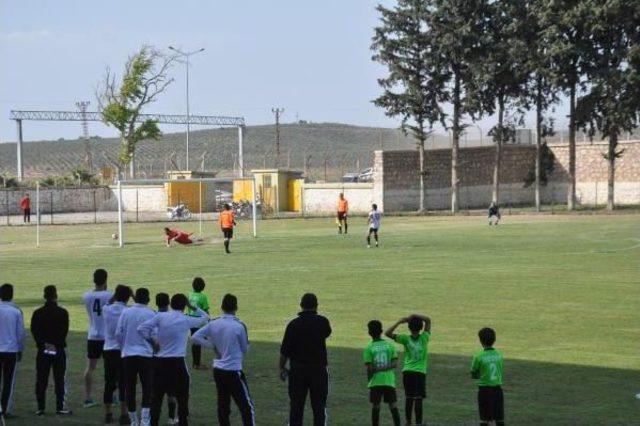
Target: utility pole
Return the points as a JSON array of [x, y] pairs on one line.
[[277, 112], [186, 56]]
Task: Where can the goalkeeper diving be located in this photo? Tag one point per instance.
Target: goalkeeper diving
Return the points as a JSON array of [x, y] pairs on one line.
[[180, 237]]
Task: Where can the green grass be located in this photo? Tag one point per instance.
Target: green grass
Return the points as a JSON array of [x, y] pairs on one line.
[[562, 292]]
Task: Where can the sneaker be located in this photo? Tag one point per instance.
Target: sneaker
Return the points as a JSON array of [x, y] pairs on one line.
[[88, 403], [64, 412], [376, 244], [124, 420], [173, 421], [108, 418], [368, 245], [39, 413]]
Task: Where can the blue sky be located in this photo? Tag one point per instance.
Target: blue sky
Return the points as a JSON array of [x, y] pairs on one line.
[[310, 57]]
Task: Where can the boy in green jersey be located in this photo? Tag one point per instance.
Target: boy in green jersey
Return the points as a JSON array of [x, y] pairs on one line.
[[414, 370], [381, 359], [197, 299], [486, 367]]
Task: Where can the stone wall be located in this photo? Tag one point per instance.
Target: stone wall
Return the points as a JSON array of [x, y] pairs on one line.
[[322, 198], [56, 200], [148, 198], [396, 177]]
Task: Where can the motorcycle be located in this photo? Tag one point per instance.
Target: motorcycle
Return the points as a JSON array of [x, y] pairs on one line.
[[179, 212]]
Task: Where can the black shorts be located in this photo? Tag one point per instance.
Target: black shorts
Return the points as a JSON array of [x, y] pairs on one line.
[[95, 349], [382, 393], [490, 403], [342, 215], [227, 232], [373, 230], [415, 384]]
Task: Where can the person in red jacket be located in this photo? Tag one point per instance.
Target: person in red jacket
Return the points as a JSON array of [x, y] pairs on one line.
[[25, 206], [180, 237]]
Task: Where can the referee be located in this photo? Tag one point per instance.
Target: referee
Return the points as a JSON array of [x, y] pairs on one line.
[[304, 347], [49, 327], [11, 345]]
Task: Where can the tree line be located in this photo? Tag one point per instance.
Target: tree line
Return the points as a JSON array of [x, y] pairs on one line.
[[507, 57]]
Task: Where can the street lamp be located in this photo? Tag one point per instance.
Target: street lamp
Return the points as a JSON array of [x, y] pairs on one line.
[[186, 56]]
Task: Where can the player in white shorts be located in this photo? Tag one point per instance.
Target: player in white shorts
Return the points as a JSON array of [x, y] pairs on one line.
[[94, 301], [374, 224]]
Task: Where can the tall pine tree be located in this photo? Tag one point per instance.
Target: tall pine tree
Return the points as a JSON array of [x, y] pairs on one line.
[[563, 23], [611, 104], [403, 42], [460, 28]]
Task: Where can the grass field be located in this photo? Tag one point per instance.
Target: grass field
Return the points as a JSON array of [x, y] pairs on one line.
[[563, 294]]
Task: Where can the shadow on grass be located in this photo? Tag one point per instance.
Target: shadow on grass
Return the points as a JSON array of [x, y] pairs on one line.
[[535, 392]]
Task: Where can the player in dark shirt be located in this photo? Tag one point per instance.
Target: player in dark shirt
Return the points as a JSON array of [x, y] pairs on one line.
[[494, 213], [50, 326]]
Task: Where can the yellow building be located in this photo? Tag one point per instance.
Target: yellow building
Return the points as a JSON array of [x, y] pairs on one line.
[[279, 190]]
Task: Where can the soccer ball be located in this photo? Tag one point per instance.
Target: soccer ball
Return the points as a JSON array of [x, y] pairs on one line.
[[114, 236]]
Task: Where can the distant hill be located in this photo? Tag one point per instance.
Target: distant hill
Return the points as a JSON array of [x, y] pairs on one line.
[[346, 148]]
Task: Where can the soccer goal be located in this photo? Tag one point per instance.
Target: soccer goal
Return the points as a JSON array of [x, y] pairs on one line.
[[190, 205]]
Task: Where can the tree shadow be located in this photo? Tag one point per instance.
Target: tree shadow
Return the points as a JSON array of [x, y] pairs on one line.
[[535, 392]]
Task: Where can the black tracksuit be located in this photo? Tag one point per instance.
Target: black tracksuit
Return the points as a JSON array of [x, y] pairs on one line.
[[50, 324], [304, 345]]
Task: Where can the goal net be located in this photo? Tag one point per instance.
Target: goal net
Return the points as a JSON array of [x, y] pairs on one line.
[[188, 205]]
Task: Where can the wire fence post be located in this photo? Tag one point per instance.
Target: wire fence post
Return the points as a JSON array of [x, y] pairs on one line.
[[37, 214], [254, 209], [120, 236], [200, 205], [6, 200], [95, 210], [136, 204], [51, 206]]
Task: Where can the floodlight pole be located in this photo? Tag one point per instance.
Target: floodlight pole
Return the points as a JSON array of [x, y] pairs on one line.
[[120, 237], [186, 56]]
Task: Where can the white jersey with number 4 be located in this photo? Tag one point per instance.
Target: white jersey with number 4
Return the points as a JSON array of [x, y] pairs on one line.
[[374, 219], [94, 301]]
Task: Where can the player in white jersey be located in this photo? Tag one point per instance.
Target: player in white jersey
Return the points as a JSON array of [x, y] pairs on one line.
[[112, 357], [94, 301], [373, 221]]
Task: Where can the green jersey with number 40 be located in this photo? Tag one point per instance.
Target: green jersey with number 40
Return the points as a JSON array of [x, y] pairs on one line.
[[415, 351], [487, 366], [380, 353]]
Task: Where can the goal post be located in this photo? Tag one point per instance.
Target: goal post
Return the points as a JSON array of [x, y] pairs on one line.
[[205, 194]]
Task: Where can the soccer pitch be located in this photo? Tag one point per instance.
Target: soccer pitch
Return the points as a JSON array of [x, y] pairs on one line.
[[562, 292]]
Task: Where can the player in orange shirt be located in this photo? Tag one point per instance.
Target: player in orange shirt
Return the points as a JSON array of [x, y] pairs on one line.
[[343, 209], [227, 222], [180, 237]]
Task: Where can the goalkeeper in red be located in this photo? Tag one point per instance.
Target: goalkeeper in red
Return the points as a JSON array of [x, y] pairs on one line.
[[179, 237], [486, 368]]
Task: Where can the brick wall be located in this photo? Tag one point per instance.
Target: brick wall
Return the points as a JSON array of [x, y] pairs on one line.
[[396, 177]]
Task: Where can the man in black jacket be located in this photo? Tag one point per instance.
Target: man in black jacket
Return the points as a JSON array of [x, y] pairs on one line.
[[304, 347], [50, 326]]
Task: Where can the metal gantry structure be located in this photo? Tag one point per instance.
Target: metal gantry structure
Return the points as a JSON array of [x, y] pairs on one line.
[[197, 120]]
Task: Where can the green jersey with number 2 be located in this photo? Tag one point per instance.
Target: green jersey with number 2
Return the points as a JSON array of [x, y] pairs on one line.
[[487, 365], [415, 351], [380, 353]]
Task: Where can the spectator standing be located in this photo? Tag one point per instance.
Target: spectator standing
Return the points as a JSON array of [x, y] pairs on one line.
[[25, 206], [50, 327], [304, 348]]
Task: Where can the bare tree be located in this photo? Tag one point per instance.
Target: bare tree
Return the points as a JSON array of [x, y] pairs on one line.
[[121, 101]]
